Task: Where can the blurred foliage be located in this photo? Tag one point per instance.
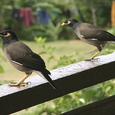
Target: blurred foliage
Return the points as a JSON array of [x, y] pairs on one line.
[[2, 58], [112, 30], [49, 50], [59, 11], [1, 69], [2, 82]]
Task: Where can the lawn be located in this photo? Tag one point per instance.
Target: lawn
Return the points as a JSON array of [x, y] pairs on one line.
[[62, 48]]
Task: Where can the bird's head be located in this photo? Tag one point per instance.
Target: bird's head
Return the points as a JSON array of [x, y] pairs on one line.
[[8, 35], [70, 22]]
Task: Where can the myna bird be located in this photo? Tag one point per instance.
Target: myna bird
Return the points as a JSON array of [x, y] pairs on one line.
[[23, 58], [90, 34]]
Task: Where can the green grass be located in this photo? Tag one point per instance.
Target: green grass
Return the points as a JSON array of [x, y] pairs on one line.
[[62, 48]]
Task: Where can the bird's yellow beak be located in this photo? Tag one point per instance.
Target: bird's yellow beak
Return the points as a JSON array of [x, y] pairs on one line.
[[67, 23], [63, 24]]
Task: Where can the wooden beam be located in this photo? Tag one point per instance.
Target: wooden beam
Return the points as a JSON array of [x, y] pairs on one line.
[[67, 79], [103, 107]]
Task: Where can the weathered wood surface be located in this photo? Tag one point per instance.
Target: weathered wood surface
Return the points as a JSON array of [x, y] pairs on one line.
[[67, 79]]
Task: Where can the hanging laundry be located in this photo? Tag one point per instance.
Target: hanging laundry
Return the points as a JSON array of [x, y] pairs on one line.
[[27, 16], [66, 13], [15, 13], [43, 16]]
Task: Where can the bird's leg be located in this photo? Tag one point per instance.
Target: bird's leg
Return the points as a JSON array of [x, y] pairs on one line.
[[21, 81], [93, 56], [99, 50]]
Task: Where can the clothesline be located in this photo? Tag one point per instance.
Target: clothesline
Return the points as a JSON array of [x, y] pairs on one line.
[[26, 15]]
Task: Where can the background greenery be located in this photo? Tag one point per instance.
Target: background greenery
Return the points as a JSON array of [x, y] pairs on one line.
[[92, 11], [96, 12]]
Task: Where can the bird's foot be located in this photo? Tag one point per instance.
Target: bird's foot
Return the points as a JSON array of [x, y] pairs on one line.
[[88, 59], [91, 59], [18, 83]]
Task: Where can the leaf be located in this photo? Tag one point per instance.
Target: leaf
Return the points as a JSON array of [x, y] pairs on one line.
[[40, 40], [42, 52], [1, 69], [50, 58], [50, 49]]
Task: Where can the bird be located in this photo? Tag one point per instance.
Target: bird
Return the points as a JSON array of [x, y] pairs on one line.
[[23, 58], [90, 34]]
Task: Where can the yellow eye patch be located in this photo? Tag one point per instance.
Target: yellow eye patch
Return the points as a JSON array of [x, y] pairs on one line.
[[8, 34], [66, 23]]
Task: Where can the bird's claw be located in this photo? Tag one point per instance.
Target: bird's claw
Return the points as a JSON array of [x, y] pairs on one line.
[[88, 59], [92, 59], [19, 84]]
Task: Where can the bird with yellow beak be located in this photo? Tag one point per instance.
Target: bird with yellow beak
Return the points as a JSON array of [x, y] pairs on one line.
[[90, 34], [23, 58]]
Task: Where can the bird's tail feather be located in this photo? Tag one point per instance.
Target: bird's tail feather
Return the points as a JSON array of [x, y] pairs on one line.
[[46, 76]]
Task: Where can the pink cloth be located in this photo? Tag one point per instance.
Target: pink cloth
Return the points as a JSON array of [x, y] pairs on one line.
[[27, 16]]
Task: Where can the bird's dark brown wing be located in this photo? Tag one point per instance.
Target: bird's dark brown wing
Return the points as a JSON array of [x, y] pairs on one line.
[[32, 61], [92, 32], [22, 54]]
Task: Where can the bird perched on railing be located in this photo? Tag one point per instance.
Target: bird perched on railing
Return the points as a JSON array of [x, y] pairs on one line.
[[90, 34], [23, 58]]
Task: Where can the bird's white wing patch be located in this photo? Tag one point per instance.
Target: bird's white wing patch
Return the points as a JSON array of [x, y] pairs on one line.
[[94, 39], [79, 35], [17, 62]]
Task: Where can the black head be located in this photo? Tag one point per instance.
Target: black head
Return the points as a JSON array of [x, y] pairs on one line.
[[8, 36], [70, 22], [7, 33]]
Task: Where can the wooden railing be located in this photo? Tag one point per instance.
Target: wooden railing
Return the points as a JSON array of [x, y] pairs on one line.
[[68, 79]]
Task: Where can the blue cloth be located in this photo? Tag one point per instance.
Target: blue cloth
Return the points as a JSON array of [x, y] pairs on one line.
[[43, 16]]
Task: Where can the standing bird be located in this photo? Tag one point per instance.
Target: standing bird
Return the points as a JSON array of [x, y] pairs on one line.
[[90, 34], [23, 58]]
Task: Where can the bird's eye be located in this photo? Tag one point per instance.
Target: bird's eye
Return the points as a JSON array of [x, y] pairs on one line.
[[65, 21], [6, 34]]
